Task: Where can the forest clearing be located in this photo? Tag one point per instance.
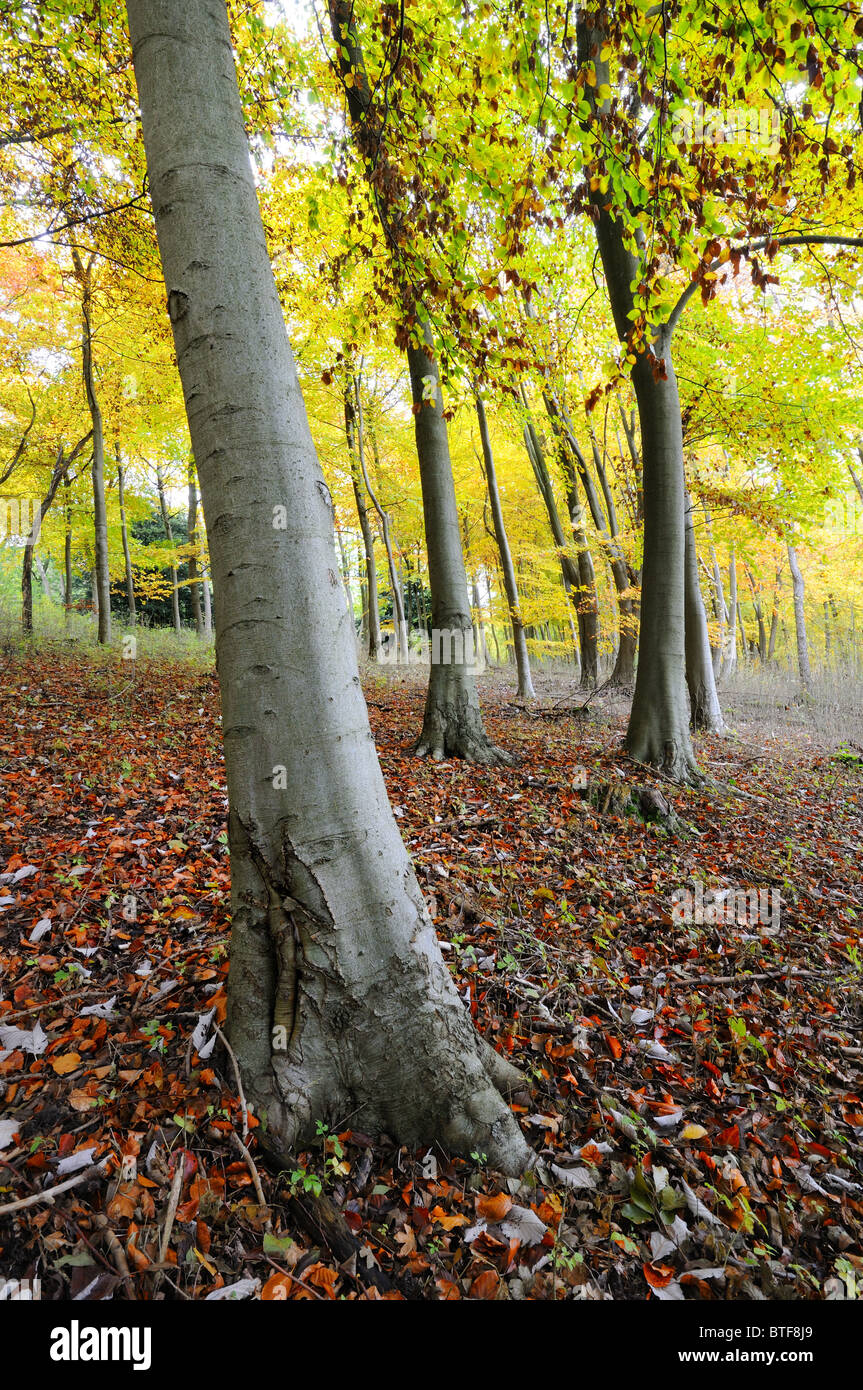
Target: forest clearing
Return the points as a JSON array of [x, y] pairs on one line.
[[431, 655]]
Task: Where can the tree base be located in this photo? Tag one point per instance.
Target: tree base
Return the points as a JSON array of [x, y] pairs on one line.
[[422, 1093], [452, 723], [673, 757]]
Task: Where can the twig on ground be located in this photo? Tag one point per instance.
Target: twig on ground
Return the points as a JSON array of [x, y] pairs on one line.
[[238, 1079]]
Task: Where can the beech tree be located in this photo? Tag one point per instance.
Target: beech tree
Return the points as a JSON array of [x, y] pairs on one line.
[[339, 999], [452, 721]]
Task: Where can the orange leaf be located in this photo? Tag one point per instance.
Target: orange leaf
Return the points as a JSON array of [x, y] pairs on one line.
[[448, 1222], [485, 1285], [65, 1063], [493, 1209], [449, 1291], [590, 1154], [276, 1289], [323, 1278], [615, 1047], [658, 1276], [729, 1137]]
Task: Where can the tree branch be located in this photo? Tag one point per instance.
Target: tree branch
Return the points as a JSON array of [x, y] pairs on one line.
[[798, 239]]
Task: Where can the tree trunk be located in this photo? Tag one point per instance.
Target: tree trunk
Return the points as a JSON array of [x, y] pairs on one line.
[[399, 624], [704, 710], [568, 567], [100, 512], [192, 531], [658, 731], [130, 585], [346, 576], [774, 617], [43, 576], [759, 615], [58, 475], [587, 606], [208, 612], [574, 463], [452, 722], [166, 522], [340, 1003], [67, 548], [731, 661], [841, 653], [522, 657], [800, 621], [478, 628], [372, 604], [719, 608]]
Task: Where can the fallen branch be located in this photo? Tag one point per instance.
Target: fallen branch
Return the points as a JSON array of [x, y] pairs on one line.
[[746, 979], [49, 1193]]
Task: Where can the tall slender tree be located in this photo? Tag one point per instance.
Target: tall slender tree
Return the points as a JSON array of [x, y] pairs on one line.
[[339, 1000], [452, 721]]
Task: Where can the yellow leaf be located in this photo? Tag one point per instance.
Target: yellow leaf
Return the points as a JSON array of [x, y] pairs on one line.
[[206, 1263], [693, 1132]]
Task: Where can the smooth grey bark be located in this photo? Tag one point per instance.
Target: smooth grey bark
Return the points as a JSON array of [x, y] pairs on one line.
[[169, 535], [399, 625], [102, 581], [759, 614], [67, 548], [452, 722], [636, 503], [331, 939], [624, 582], [372, 605], [719, 607], [479, 646], [745, 644], [208, 609], [346, 576], [43, 575], [704, 709], [587, 606], [774, 617], [798, 589], [522, 656], [842, 653], [57, 473], [658, 732], [478, 622], [192, 532], [568, 567], [569, 458], [733, 614], [127, 559], [606, 523]]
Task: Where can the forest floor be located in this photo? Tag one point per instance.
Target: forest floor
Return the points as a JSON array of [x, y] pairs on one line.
[[693, 1088]]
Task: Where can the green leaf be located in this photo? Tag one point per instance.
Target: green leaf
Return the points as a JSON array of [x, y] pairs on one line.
[[276, 1245]]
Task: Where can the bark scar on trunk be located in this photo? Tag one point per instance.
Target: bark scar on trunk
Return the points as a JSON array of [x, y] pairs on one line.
[[286, 942]]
